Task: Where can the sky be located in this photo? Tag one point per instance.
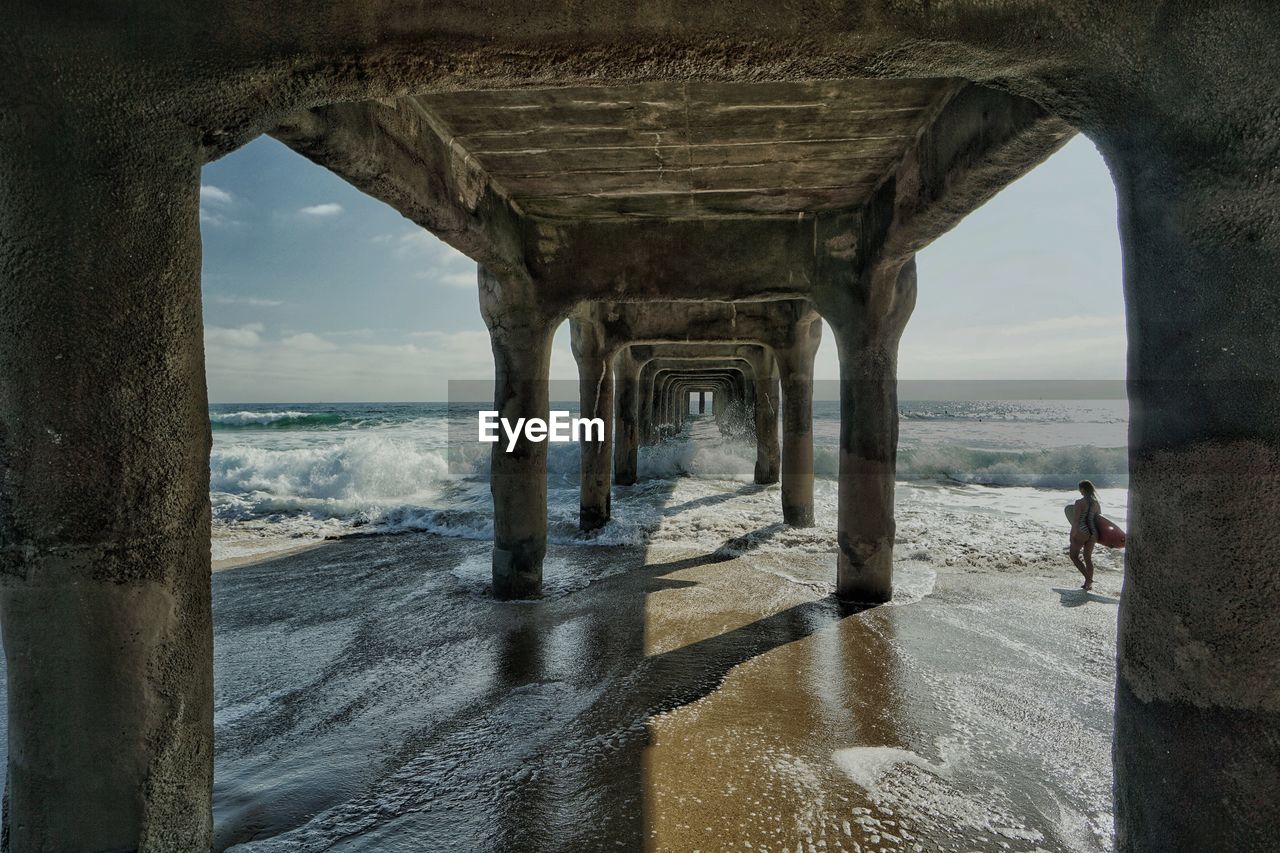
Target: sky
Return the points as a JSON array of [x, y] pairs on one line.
[[315, 292]]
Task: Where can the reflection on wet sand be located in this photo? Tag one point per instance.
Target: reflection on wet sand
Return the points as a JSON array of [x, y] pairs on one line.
[[678, 702], [751, 762]]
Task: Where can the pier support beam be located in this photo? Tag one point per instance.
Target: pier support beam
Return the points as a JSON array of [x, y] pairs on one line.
[[104, 499], [594, 355], [521, 328], [867, 327], [767, 403], [795, 372], [1197, 744], [626, 447]]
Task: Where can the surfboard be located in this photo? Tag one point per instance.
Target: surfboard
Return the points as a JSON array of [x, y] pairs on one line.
[[1109, 535]]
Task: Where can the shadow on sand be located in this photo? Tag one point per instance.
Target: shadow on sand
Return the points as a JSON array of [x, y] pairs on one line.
[[445, 720], [1077, 597]]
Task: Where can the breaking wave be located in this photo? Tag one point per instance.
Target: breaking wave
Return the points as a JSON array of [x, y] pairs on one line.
[[294, 473], [362, 474], [1059, 468], [278, 420]]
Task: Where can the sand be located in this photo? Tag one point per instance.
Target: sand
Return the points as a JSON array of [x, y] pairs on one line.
[[371, 696]]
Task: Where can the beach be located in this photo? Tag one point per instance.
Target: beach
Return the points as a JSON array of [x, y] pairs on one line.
[[687, 682], [371, 696]]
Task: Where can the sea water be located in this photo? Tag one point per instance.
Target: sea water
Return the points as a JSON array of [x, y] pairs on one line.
[[289, 474], [371, 695]]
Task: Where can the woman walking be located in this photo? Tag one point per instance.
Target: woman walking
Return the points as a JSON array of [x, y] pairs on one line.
[[1084, 531]]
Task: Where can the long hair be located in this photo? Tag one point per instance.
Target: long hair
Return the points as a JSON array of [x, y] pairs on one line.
[[1087, 487]]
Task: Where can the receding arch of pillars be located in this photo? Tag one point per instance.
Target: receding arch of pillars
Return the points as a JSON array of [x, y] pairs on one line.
[[635, 411], [105, 600], [758, 360], [790, 331], [675, 382], [670, 372]]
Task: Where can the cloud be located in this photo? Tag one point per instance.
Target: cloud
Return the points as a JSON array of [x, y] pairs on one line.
[[253, 301], [247, 365], [327, 209], [352, 333], [437, 262], [209, 194], [212, 197], [420, 240], [239, 337], [309, 342]]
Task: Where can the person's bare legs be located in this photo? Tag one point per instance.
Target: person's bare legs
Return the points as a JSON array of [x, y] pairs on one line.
[[1076, 546], [1088, 564]]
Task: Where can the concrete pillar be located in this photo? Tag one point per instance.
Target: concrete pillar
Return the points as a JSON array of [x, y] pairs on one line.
[[795, 370], [867, 339], [520, 331], [1197, 742], [652, 409], [595, 392], [676, 401], [104, 499], [767, 393], [626, 448], [661, 418], [702, 402], [668, 409], [646, 411], [678, 405]]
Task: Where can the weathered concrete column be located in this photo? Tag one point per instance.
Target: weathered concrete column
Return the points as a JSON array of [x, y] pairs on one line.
[[104, 499], [1197, 744], [594, 355], [678, 402], [653, 403], [767, 393], [661, 412], [720, 410], [867, 328], [645, 413], [702, 402], [626, 447], [795, 371], [521, 328]]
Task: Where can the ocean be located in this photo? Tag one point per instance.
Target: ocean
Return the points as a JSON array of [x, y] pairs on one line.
[[284, 475], [687, 681]]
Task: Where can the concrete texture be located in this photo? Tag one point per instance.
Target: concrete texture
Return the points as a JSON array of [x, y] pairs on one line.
[[108, 117], [626, 436], [870, 314], [521, 328], [104, 514], [594, 357], [795, 375]]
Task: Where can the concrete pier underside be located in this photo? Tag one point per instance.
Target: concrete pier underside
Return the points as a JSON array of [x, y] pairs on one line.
[[609, 151]]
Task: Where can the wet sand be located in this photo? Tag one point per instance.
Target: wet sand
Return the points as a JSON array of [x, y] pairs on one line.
[[370, 696], [265, 553]]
